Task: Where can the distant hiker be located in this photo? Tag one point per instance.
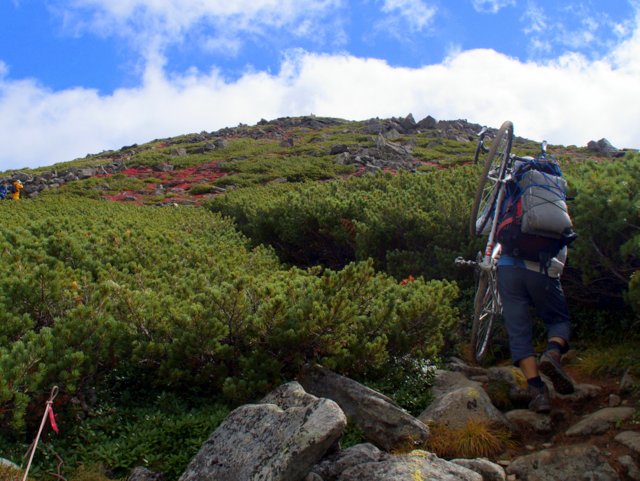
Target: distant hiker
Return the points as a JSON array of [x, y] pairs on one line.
[[529, 270], [3, 191], [15, 189]]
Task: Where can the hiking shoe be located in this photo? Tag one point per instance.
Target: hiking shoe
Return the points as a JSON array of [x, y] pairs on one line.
[[550, 367], [540, 402]]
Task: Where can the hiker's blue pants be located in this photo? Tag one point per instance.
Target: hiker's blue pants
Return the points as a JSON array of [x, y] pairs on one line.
[[521, 288]]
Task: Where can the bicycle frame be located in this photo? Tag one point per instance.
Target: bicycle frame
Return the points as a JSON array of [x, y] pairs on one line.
[[490, 253], [488, 202]]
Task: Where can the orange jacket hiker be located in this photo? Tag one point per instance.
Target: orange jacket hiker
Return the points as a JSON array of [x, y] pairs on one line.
[[17, 186]]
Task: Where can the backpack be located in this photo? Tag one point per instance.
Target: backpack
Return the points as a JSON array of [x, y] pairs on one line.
[[534, 223]]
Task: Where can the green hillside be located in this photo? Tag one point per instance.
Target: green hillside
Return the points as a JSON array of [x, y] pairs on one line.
[[161, 285]]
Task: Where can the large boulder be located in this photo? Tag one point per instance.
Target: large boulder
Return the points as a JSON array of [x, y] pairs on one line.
[[458, 400], [381, 420], [415, 465], [268, 442], [568, 463]]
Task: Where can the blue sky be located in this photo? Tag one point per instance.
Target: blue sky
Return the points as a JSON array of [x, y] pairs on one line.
[[83, 76]]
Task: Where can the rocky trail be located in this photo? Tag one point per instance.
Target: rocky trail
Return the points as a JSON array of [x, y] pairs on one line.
[[594, 430], [294, 433]]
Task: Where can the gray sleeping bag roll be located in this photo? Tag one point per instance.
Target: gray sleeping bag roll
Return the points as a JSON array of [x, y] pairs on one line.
[[544, 206]]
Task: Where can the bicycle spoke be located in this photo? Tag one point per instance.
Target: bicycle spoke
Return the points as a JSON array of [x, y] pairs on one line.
[[487, 311]]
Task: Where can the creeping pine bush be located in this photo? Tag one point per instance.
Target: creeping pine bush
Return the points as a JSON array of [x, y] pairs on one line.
[[606, 214], [108, 298], [408, 224]]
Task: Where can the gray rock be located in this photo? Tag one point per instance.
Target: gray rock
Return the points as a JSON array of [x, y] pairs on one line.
[[524, 420], [409, 467], [392, 134], [179, 152], [338, 149], [221, 143], [603, 146], [568, 463], [518, 392], [143, 474], [86, 173], [600, 421], [373, 126], [458, 400], [163, 167], [22, 177], [447, 381], [313, 477], [614, 400], [630, 467], [264, 442], [630, 439], [381, 420], [332, 467], [456, 364], [511, 375], [289, 395], [428, 123], [408, 123], [628, 382], [488, 470]]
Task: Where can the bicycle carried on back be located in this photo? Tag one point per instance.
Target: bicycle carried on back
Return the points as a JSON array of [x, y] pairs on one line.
[[497, 169]]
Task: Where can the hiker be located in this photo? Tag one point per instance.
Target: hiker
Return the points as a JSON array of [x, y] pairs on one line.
[[529, 269], [3, 191], [15, 190]]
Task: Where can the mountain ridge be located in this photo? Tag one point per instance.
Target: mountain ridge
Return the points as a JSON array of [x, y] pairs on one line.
[[191, 168]]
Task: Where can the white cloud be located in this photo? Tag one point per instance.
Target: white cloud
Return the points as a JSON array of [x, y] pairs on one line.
[[491, 6], [152, 25], [574, 27], [416, 14], [535, 19], [568, 101]]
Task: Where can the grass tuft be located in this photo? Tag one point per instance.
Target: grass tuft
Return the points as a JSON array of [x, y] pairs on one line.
[[474, 439]]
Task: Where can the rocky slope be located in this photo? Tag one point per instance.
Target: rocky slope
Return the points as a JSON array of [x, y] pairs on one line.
[[172, 169]]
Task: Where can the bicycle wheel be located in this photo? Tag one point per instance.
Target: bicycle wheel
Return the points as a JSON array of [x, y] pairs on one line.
[[486, 311], [494, 166]]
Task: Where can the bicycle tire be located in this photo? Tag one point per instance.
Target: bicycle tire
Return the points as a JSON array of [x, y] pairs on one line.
[[495, 162], [486, 311]]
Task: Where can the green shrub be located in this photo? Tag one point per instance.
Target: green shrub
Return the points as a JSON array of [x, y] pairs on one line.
[[409, 224], [407, 380], [606, 212], [174, 299]]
